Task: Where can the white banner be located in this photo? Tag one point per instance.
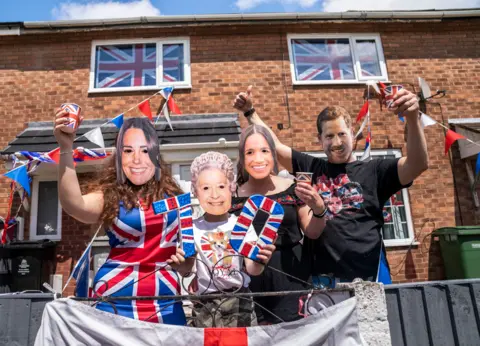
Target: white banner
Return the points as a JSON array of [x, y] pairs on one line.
[[68, 322]]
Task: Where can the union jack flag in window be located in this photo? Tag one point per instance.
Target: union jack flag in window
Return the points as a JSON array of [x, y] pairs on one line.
[[126, 65], [173, 62], [320, 59], [332, 59]]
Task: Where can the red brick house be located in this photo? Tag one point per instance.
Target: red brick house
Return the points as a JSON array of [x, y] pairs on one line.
[[211, 58]]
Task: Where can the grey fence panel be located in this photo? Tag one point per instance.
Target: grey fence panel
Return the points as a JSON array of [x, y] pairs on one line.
[[20, 317], [440, 313]]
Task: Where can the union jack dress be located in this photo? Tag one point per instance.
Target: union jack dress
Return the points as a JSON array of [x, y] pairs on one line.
[[141, 242]]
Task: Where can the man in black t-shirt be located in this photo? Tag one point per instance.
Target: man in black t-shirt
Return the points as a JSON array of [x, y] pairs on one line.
[[354, 192]]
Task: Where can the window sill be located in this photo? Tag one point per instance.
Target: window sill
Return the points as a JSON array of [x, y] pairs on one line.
[[135, 89], [400, 243], [340, 82]]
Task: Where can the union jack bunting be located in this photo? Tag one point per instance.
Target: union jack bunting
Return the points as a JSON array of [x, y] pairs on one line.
[[141, 243], [33, 155], [173, 62], [126, 65], [182, 205], [84, 154], [329, 59], [245, 219]]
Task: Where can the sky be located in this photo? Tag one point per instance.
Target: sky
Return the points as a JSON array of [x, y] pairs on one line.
[[49, 10]]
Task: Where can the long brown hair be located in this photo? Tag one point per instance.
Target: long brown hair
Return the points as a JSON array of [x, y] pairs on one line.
[[118, 189], [242, 174]]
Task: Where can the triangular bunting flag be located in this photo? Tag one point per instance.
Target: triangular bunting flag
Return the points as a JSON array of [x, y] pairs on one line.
[[366, 153], [374, 85], [95, 136], [20, 175], [118, 120], [54, 155], [145, 109], [166, 92], [172, 106], [477, 165], [360, 130], [425, 120], [81, 271], [450, 138], [363, 112], [167, 115]]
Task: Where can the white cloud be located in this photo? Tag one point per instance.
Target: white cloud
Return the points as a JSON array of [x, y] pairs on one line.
[[366, 5], [248, 4], [105, 9]]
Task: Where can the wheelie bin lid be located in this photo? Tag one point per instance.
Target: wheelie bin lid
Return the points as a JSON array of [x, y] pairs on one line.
[[458, 230]]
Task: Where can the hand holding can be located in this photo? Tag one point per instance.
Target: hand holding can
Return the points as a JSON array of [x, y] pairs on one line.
[[304, 177], [73, 116]]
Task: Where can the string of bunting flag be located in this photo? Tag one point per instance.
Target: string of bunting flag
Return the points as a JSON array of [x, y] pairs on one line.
[[22, 169], [386, 95]]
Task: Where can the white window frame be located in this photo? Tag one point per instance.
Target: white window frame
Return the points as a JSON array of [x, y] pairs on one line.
[[34, 211], [411, 231], [186, 84], [353, 46]]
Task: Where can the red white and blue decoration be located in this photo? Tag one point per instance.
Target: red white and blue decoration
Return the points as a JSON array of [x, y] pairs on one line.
[[245, 219], [141, 244], [182, 204]]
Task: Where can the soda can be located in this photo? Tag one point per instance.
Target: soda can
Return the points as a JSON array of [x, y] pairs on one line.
[[389, 93], [73, 116]]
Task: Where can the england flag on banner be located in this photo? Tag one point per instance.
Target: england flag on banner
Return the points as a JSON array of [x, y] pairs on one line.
[[68, 322], [126, 65]]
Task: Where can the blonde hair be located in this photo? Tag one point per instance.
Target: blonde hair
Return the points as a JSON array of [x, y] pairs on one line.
[[212, 159]]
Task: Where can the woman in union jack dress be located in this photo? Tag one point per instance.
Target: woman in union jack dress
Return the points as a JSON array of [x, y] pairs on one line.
[[144, 259]]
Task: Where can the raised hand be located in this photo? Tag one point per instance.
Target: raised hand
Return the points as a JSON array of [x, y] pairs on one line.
[[406, 104], [243, 102], [64, 139]]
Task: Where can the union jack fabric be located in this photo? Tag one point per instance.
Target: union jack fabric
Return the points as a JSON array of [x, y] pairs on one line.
[[141, 243], [84, 154], [389, 93], [245, 219], [33, 155], [173, 62], [127, 65], [328, 59], [182, 205]]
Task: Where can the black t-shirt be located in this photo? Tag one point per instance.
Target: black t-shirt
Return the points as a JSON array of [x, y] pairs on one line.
[[355, 194]]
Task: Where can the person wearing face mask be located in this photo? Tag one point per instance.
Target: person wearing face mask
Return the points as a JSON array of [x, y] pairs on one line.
[[355, 192], [257, 171], [218, 267], [142, 260]]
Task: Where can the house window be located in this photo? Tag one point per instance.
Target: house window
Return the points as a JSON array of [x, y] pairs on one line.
[[398, 226], [46, 211], [123, 65], [337, 59]]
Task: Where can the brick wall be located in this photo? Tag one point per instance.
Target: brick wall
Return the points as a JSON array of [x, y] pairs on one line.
[[39, 72]]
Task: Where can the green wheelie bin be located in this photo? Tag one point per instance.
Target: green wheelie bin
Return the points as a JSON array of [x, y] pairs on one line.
[[460, 248]]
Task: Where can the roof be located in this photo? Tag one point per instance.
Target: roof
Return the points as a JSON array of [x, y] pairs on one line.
[[19, 28], [203, 128]]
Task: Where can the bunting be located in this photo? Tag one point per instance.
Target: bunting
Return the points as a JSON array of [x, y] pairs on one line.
[[95, 136], [363, 111], [144, 107], [450, 138], [118, 120]]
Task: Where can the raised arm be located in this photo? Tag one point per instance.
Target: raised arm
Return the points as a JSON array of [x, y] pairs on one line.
[[416, 161], [85, 208], [243, 102]]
